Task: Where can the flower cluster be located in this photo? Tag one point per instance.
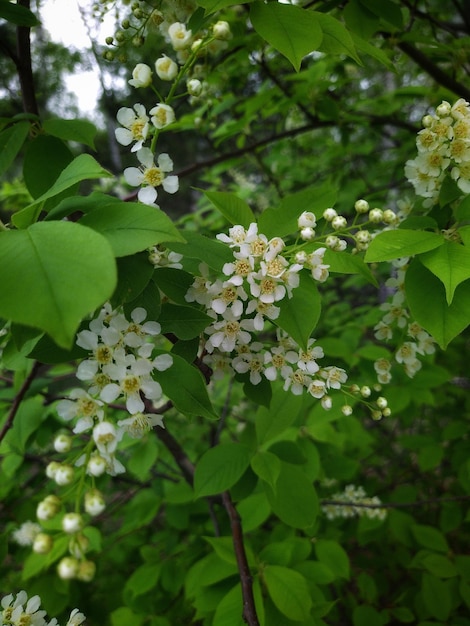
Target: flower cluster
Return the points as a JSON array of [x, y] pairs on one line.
[[256, 281], [21, 611], [443, 147], [353, 502], [120, 367], [417, 342]]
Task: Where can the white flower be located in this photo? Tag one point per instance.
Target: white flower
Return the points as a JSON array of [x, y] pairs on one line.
[[151, 176], [306, 219], [106, 437], [141, 76], [166, 68], [82, 406], [226, 295], [136, 126], [15, 612], [228, 332], [26, 533], [266, 288], [133, 380], [277, 362], [162, 115], [251, 362], [296, 381], [76, 618], [334, 376], [139, 424], [180, 36]]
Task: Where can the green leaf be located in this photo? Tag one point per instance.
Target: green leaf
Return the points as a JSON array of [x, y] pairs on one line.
[[300, 314], [81, 131], [449, 192], [83, 167], [211, 6], [273, 421], [336, 38], [387, 11], [266, 466], [174, 283], [450, 263], [367, 616], [11, 141], [254, 511], [428, 304], [40, 173], [210, 251], [228, 611], [185, 386], [130, 228], [134, 274], [436, 597], [236, 210], [185, 322], [49, 282], [295, 501], [17, 14], [293, 31], [439, 565], [220, 468], [393, 244], [282, 220], [289, 591], [331, 554], [345, 263], [143, 579], [430, 537]]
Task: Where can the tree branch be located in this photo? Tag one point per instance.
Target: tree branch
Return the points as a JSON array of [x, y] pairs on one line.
[[24, 66], [18, 399], [249, 609]]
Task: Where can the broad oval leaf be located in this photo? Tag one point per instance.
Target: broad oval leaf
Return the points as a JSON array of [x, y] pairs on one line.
[[300, 314], [220, 468], [131, 227], [11, 140], [81, 131], [393, 244], [289, 591], [450, 263], [185, 386], [83, 167], [295, 501], [293, 31], [331, 554], [426, 298], [266, 466], [236, 210], [185, 322], [40, 173], [53, 274]]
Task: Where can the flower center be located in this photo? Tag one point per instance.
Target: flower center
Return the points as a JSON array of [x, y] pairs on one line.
[[130, 384], [86, 406], [232, 328], [153, 176], [137, 128], [103, 354]]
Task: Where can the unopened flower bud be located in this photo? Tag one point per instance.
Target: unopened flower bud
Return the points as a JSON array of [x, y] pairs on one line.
[[180, 36], [329, 214], [194, 87], [346, 410], [307, 233], [48, 508], [307, 219], [365, 391], [386, 412], [361, 206], [86, 571], [339, 222], [382, 402], [42, 543], [221, 30], [79, 545], [64, 475], [376, 415], [197, 43], [96, 465], [389, 217], [326, 403], [62, 443], [376, 215], [51, 469], [94, 502], [109, 41], [72, 523], [443, 109], [301, 257], [363, 236], [67, 568]]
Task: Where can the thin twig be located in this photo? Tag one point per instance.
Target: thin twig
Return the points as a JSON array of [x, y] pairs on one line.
[[18, 399], [249, 609]]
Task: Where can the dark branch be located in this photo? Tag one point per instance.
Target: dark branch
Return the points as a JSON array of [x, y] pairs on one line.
[[249, 609], [18, 399], [24, 66]]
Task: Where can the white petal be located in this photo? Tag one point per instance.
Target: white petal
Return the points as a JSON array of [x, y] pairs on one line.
[[133, 176], [125, 116], [147, 195], [163, 362], [145, 156], [165, 163], [87, 340], [171, 184], [110, 392], [123, 136]]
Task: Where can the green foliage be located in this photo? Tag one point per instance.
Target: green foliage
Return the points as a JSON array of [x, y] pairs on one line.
[[326, 501]]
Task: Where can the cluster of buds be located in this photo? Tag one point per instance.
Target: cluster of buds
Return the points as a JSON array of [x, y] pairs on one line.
[[353, 502]]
